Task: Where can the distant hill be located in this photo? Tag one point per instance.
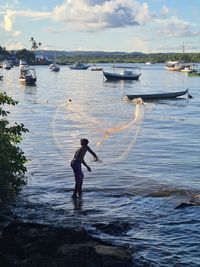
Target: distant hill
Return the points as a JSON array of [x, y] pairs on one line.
[[51, 53]]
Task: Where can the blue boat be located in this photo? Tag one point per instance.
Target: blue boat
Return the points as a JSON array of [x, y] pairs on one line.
[[123, 73]]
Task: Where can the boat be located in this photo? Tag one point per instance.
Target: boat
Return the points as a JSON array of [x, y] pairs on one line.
[[193, 73], [123, 73], [6, 65], [27, 76], [23, 64], [177, 65], [1, 77], [79, 66], [148, 97], [193, 68], [54, 67], [96, 69]]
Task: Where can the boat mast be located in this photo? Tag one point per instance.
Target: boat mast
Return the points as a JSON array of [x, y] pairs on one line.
[[183, 47]]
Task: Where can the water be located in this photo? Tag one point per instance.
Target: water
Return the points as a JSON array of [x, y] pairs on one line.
[[143, 189]]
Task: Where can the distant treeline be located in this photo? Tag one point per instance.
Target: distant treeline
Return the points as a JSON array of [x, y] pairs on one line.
[[131, 58], [69, 57]]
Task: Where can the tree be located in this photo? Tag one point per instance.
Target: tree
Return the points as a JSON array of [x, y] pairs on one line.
[[12, 158], [35, 45], [27, 55]]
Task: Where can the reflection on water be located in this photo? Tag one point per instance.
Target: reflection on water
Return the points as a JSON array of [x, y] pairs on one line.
[[144, 188]]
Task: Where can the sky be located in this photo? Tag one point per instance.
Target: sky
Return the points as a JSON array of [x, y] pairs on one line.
[[149, 26]]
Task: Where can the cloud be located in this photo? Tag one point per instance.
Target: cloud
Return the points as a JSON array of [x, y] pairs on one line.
[[174, 27], [8, 21], [138, 44], [14, 46], [33, 15], [164, 11], [95, 15]]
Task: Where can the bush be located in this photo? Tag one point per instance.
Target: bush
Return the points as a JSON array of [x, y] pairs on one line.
[[12, 158]]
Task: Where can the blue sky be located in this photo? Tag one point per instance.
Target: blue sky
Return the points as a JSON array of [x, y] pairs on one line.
[[112, 25]]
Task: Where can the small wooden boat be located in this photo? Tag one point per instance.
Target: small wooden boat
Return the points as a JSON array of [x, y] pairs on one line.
[[148, 97], [96, 69], [79, 66], [123, 73]]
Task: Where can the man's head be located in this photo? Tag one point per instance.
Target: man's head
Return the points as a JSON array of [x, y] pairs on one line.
[[84, 142]]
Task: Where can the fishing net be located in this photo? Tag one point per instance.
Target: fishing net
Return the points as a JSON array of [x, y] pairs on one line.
[[112, 140]]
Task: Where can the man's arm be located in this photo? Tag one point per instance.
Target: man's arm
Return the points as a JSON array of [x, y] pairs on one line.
[[85, 164], [93, 154]]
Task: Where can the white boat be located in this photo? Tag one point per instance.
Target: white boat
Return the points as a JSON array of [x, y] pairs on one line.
[[23, 64], [6, 65], [193, 68], [79, 66], [177, 65], [123, 73], [54, 67], [27, 76]]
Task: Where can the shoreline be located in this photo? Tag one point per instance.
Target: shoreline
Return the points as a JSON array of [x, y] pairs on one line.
[[35, 244]]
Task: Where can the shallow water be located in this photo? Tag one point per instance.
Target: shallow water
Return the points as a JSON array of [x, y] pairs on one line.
[[143, 187]]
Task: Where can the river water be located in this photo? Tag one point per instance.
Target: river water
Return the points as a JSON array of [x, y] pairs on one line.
[[148, 169]]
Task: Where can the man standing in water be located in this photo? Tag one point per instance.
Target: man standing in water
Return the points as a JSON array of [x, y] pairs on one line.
[[76, 166]]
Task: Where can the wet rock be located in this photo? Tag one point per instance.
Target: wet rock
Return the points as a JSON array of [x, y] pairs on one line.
[[35, 245], [194, 201], [113, 228]]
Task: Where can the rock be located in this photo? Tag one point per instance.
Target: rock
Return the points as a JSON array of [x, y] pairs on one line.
[[37, 245], [113, 228]]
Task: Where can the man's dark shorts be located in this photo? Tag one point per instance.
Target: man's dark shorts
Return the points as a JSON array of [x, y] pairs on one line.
[[78, 173]]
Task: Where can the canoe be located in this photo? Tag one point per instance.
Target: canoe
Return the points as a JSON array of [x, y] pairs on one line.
[[158, 96]]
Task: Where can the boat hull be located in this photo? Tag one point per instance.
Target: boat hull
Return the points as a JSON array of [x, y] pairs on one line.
[[115, 77], [26, 81], [79, 68], [158, 96]]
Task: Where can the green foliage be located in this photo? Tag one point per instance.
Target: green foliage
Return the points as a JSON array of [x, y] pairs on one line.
[[12, 158], [27, 55], [129, 58]]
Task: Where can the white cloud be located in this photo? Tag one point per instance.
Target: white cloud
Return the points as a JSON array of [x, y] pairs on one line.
[[33, 14], [164, 11], [9, 18], [174, 27], [95, 15], [14, 46]]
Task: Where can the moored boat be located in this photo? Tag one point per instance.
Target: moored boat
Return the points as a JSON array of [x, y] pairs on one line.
[[193, 68], [6, 65], [177, 65], [147, 97], [193, 73], [79, 66], [23, 64], [27, 76], [54, 67], [96, 69], [123, 73]]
